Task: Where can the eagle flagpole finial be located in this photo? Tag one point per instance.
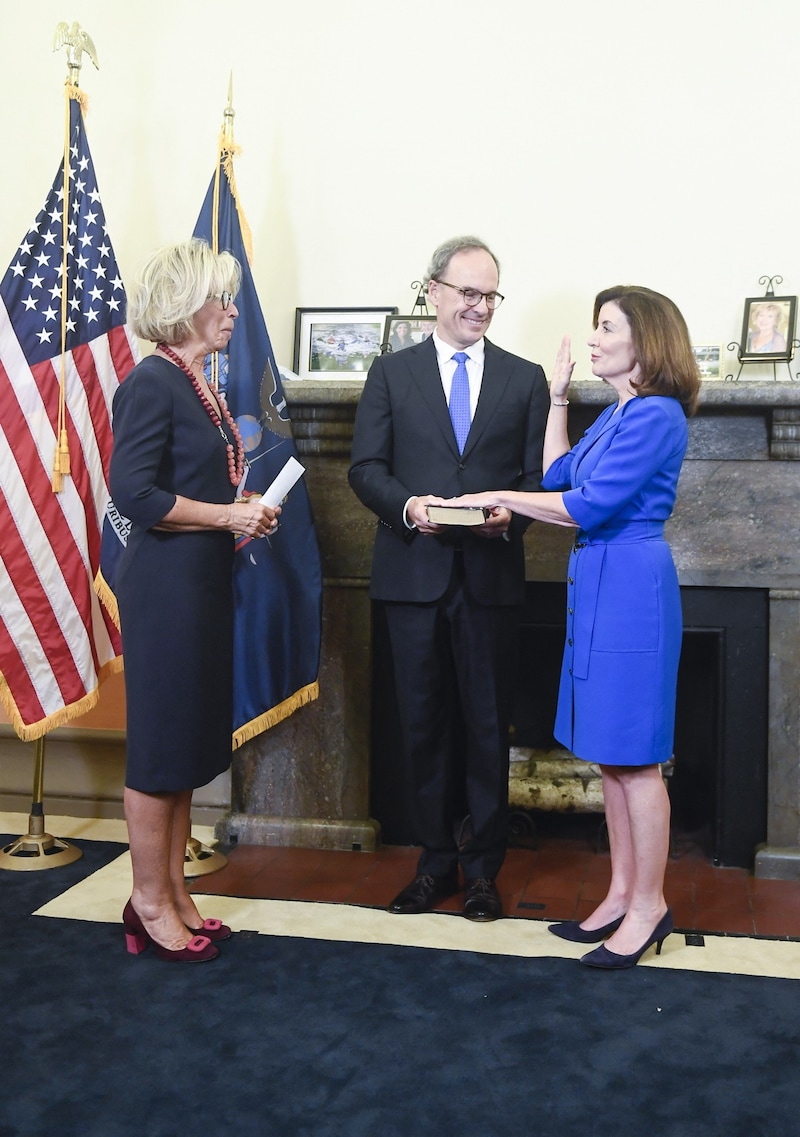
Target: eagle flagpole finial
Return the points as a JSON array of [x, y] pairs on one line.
[[76, 42]]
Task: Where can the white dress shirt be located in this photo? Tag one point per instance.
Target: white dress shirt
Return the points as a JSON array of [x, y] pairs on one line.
[[447, 367]]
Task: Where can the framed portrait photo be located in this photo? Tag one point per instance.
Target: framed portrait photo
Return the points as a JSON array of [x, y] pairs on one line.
[[768, 328], [403, 331], [337, 343], [709, 360]]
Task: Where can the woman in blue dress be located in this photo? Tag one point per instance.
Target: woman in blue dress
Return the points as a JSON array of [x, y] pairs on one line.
[[616, 704]]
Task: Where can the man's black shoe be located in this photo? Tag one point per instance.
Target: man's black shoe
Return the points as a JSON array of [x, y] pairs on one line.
[[481, 900], [424, 893]]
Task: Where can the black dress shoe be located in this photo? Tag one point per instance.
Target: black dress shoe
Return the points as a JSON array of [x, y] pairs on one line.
[[481, 900], [424, 893]]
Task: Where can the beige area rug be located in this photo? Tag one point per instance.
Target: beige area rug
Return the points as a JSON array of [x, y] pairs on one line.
[[102, 895]]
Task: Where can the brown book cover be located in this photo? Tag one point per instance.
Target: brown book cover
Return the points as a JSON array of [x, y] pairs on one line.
[[457, 514]]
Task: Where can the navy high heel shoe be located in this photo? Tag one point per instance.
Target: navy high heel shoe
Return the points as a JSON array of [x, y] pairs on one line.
[[571, 930], [602, 957]]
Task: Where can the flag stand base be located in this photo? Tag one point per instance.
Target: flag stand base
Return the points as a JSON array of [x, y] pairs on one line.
[[200, 859], [38, 850]]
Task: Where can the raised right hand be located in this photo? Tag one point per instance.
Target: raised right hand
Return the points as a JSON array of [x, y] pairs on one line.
[[562, 372]]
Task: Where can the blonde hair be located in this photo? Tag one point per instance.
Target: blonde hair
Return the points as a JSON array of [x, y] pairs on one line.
[[174, 284]]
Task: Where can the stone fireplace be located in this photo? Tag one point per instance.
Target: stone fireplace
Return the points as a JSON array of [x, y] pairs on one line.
[[735, 535]]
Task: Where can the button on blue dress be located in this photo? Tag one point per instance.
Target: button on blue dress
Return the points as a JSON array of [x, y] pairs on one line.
[[616, 702]]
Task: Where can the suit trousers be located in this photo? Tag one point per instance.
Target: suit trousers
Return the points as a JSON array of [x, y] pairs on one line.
[[455, 665]]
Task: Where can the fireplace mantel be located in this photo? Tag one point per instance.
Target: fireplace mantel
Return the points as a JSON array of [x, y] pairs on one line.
[[736, 525]]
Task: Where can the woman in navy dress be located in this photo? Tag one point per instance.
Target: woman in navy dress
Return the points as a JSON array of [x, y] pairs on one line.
[[175, 467], [616, 702]]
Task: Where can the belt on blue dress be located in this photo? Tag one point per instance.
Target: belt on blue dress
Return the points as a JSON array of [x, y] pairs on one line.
[[621, 532]]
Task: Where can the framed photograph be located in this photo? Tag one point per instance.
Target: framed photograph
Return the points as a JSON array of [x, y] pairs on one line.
[[403, 331], [337, 343], [768, 328], [709, 360]]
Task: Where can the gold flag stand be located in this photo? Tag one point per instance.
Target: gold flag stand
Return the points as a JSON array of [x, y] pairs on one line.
[[37, 849], [201, 859]]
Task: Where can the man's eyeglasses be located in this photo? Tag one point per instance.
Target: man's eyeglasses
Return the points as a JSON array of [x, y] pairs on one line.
[[472, 296], [224, 299]]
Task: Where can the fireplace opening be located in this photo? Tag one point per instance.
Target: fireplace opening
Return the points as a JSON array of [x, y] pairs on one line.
[[718, 786]]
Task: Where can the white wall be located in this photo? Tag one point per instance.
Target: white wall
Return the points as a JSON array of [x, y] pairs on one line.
[[589, 142]]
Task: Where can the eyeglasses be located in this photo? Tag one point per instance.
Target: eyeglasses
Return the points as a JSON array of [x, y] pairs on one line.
[[472, 296], [224, 299]]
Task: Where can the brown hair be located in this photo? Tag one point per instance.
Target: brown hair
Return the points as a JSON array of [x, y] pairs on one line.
[[661, 343]]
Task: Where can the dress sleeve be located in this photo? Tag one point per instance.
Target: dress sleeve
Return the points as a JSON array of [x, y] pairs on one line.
[[142, 424], [558, 476], [651, 431]]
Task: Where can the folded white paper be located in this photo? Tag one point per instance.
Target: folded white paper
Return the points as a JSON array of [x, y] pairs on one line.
[[291, 473]]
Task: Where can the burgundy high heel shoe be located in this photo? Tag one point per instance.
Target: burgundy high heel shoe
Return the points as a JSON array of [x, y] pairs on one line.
[[198, 950], [212, 929]]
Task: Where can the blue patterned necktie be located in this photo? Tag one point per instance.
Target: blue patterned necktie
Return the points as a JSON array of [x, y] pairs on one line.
[[459, 400]]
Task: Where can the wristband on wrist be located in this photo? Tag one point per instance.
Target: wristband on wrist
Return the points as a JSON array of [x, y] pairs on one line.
[[564, 404]]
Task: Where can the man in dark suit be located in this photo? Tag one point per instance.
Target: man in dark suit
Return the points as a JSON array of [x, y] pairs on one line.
[[452, 594]]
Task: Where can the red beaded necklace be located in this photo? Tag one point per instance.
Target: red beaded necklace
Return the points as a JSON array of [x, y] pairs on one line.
[[235, 464]]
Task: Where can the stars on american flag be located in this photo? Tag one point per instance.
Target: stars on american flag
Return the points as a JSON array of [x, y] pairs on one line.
[[33, 286]]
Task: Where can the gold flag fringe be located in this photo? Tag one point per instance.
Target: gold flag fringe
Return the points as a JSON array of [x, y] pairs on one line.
[[227, 152], [106, 597], [33, 731], [78, 95], [276, 714]]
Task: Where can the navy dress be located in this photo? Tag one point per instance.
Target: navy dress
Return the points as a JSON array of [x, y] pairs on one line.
[[174, 590], [616, 702]]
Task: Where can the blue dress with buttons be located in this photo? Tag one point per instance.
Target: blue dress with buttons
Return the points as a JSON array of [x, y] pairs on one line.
[[616, 702]]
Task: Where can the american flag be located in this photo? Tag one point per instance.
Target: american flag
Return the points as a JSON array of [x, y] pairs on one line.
[[56, 640]]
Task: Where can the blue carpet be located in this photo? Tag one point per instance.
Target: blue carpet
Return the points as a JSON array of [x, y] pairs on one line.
[[304, 1038], [22, 892]]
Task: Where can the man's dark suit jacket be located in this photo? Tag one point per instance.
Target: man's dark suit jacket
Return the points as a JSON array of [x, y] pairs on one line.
[[404, 446]]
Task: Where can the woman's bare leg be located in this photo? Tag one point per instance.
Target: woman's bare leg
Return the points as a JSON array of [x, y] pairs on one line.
[[181, 831], [617, 899], [151, 823], [648, 813]]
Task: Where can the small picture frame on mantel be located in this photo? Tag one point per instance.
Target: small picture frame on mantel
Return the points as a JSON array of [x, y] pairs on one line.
[[709, 360], [768, 329], [405, 331], [337, 343]]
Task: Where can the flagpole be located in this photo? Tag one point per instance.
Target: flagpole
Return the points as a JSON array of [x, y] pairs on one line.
[[200, 858]]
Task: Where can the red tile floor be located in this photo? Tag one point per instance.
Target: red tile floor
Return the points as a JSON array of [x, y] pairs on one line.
[[560, 877]]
